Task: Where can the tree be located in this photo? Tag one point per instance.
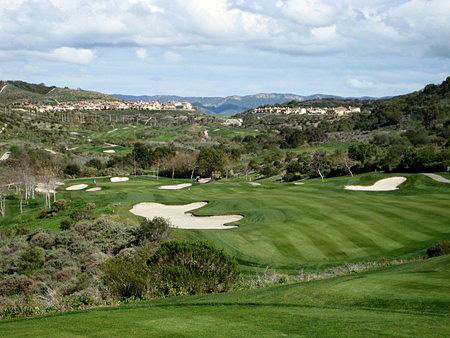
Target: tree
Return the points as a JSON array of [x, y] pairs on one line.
[[211, 160]]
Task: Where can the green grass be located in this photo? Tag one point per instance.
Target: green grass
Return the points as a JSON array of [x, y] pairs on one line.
[[287, 227], [408, 300]]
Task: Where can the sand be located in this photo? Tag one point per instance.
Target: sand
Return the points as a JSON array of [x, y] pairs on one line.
[[175, 186], [109, 151], [438, 178], [204, 180], [77, 187], [94, 189], [386, 184], [255, 184], [50, 151], [118, 179], [43, 189], [5, 156], [180, 218], [299, 183]]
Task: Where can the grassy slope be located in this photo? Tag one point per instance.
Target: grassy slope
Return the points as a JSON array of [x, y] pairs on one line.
[[290, 227], [408, 300]]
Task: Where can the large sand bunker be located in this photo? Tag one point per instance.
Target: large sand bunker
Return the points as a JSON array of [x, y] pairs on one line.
[[118, 179], [77, 187], [386, 184], [438, 178], [175, 186], [180, 218]]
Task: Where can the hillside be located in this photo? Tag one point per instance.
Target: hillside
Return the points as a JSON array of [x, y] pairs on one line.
[[405, 300], [19, 91], [227, 105]]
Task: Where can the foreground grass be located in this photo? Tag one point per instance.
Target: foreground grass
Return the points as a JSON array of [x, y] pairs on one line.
[[408, 300], [285, 226]]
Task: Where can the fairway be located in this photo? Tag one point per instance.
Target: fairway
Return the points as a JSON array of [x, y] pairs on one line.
[[408, 300], [285, 226]]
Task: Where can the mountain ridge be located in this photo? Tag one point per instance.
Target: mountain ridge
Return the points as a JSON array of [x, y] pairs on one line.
[[229, 104]]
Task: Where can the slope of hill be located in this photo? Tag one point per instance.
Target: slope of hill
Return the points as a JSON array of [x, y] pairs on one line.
[[405, 300], [230, 104], [17, 91]]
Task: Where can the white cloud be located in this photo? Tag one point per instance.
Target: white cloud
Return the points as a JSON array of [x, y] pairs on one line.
[[72, 55], [172, 57], [360, 83], [407, 27], [142, 54]]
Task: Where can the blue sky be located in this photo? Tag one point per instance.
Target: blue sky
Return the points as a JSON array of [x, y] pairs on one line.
[[227, 47]]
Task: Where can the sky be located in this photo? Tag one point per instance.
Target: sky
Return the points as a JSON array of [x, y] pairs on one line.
[[227, 47]]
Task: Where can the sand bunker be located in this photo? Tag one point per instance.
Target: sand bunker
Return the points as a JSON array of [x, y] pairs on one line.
[[5, 156], [43, 189], [109, 151], [175, 186], [255, 184], [94, 189], [435, 177], [299, 183], [180, 218], [118, 179], [204, 180], [386, 184], [77, 187], [50, 151]]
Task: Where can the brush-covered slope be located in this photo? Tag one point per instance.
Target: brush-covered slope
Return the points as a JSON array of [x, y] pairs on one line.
[[20, 91], [407, 300]]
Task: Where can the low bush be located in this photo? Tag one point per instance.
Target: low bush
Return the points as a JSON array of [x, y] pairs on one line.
[[153, 231], [439, 249], [31, 260], [128, 277], [191, 267]]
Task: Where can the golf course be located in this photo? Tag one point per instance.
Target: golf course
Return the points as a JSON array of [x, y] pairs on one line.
[[285, 226]]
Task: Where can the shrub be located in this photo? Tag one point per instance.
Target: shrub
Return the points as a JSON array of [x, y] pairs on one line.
[[60, 205], [127, 277], [190, 267], [79, 215], [41, 238], [72, 170], [439, 249], [153, 231], [31, 260], [66, 224]]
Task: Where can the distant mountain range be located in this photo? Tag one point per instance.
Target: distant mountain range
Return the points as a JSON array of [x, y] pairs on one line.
[[230, 104], [15, 91]]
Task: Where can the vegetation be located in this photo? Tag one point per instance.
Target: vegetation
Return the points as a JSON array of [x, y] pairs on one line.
[[413, 301], [324, 250]]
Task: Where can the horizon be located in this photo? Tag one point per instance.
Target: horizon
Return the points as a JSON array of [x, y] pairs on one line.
[[227, 47]]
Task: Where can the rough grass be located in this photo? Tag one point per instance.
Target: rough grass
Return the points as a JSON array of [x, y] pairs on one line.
[[408, 300], [287, 227]]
